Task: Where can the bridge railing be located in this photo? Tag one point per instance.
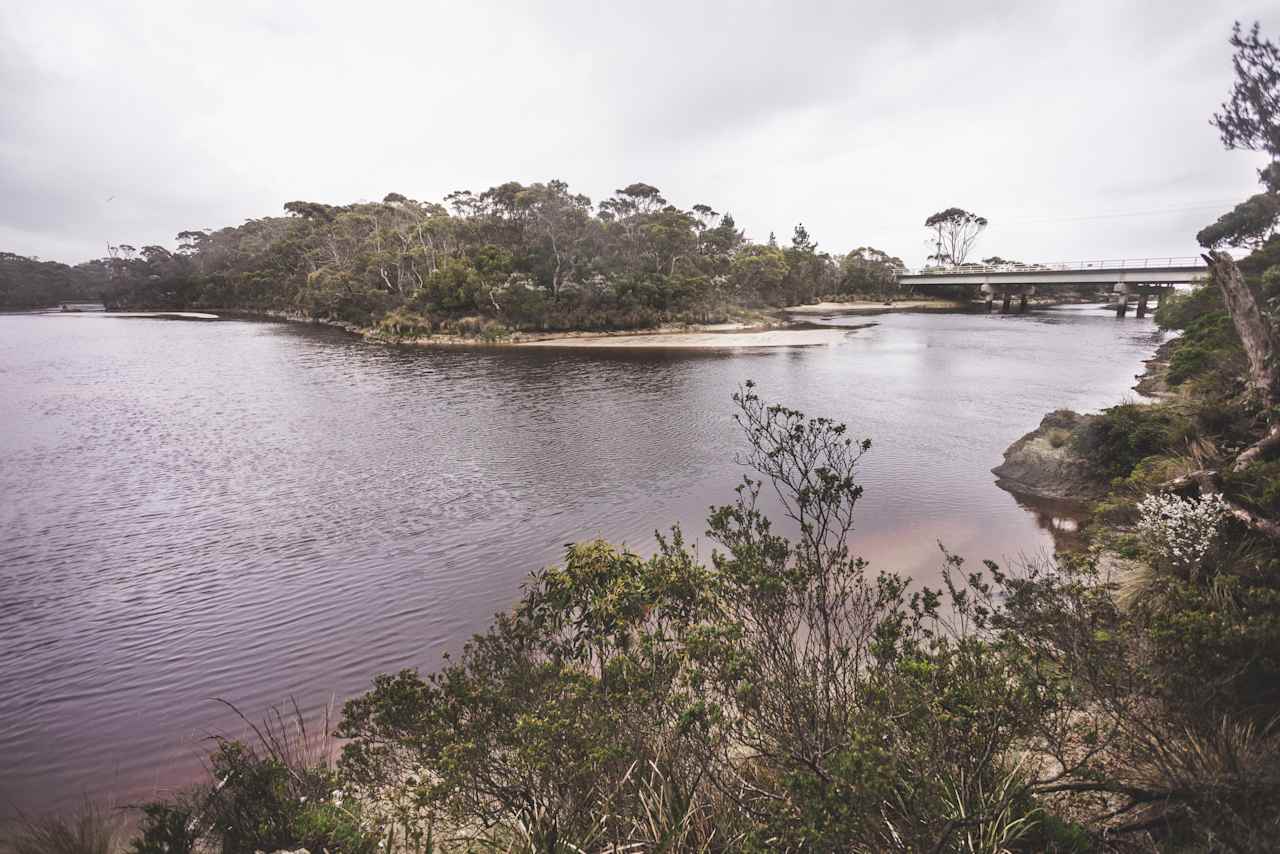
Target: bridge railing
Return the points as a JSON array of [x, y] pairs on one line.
[[1062, 266]]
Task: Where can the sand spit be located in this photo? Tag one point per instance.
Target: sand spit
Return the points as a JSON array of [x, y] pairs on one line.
[[873, 307], [706, 339]]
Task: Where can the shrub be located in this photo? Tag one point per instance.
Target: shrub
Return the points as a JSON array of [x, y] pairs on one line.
[[1122, 436], [1187, 361], [494, 331], [280, 792], [167, 828], [781, 698], [1179, 532], [403, 323], [1181, 308], [1059, 437]]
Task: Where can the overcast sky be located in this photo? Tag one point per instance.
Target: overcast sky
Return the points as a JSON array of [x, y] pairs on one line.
[[1080, 131]]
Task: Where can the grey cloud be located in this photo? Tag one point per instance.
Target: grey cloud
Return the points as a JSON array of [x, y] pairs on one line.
[[857, 118]]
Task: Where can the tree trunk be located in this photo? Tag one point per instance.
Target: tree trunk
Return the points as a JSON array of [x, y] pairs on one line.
[[1253, 327]]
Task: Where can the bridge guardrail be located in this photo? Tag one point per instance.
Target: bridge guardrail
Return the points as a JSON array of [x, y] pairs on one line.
[[1063, 266]]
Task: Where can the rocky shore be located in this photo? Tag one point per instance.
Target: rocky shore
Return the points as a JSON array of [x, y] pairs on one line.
[[1044, 463]]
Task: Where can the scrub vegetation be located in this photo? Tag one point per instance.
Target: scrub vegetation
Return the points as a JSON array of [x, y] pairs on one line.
[[514, 257]]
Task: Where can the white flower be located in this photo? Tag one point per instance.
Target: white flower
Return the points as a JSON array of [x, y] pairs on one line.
[[1181, 531]]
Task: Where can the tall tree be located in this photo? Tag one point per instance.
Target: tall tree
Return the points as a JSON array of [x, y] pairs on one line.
[[1250, 118], [560, 220], [954, 231]]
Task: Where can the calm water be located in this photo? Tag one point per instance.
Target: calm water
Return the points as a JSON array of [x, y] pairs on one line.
[[254, 510]]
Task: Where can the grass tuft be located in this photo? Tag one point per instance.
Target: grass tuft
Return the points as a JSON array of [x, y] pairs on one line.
[[93, 829]]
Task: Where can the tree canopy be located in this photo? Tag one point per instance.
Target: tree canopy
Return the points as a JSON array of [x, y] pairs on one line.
[[954, 231], [515, 256]]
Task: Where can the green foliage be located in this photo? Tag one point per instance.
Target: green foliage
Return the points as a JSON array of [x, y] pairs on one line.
[[280, 792], [402, 323], [535, 257], [1249, 223], [869, 272], [1250, 118], [781, 697], [32, 283], [1188, 361], [1120, 437], [166, 828], [1181, 308]]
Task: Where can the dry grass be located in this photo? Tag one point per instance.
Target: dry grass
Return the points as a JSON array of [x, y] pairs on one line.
[[284, 736], [93, 829], [1058, 437]]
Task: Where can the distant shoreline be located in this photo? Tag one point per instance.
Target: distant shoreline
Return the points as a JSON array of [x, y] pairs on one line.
[[875, 307], [788, 326]]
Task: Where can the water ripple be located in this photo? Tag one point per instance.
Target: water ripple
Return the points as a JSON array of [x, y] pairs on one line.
[[252, 510]]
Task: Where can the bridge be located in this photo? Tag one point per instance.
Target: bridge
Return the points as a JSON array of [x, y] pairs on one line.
[[1127, 277]]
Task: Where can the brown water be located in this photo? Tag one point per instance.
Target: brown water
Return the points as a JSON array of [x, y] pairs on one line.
[[256, 510]]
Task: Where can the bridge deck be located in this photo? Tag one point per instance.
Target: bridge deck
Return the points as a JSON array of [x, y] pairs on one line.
[[1135, 271]]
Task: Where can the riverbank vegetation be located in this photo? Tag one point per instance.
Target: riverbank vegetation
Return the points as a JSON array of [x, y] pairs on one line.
[[514, 257]]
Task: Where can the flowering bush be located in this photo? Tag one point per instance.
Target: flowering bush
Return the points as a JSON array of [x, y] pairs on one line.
[[1181, 531]]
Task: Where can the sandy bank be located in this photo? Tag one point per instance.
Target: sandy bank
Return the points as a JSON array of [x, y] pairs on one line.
[[872, 306], [712, 336], [707, 338], [163, 315]]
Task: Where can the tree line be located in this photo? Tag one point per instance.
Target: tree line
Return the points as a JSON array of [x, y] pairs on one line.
[[515, 256]]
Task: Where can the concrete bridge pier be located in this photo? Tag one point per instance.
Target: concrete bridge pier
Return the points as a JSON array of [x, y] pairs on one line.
[[1143, 292], [1006, 293], [1121, 291]]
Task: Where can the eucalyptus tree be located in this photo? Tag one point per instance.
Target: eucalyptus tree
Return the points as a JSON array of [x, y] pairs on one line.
[[867, 270], [559, 231], [757, 272], [954, 232]]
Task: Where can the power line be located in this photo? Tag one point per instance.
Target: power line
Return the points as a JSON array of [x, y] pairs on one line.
[[1204, 206]]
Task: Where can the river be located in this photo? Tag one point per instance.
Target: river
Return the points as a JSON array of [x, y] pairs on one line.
[[254, 510]]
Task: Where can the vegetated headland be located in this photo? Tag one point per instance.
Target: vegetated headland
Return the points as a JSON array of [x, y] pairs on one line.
[[512, 264]]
